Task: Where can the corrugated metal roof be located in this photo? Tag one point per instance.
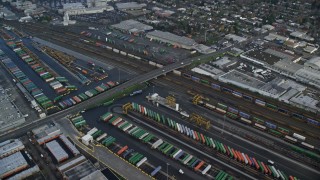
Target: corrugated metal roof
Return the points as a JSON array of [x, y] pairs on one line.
[[173, 38], [11, 163], [56, 150]]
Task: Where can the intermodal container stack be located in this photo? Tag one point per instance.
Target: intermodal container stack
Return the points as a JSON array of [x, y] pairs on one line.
[[34, 91]]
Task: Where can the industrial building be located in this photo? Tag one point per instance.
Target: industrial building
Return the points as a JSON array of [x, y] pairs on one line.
[[7, 14], [25, 173], [85, 170], [130, 6], [268, 56], [57, 151], [313, 63], [70, 146], [12, 164], [9, 147], [167, 37], [310, 49], [208, 70], [10, 116], [132, 26], [79, 8], [274, 88], [224, 62], [91, 10], [235, 38], [70, 164], [273, 36], [97, 3], [301, 35], [46, 133], [96, 175]]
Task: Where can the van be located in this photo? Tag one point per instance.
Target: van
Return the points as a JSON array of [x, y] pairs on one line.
[[181, 171]]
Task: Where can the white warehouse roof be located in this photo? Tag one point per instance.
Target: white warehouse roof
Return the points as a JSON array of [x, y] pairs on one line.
[[172, 37], [313, 63]]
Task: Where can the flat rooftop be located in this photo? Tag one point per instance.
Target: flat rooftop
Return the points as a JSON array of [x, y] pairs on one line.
[[97, 175], [130, 5], [11, 163], [57, 151], [287, 66], [172, 37], [80, 171], [10, 146], [44, 130], [244, 79], [10, 115], [132, 25], [262, 56]]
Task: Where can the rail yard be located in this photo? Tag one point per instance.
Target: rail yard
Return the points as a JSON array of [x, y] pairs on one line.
[[120, 96]]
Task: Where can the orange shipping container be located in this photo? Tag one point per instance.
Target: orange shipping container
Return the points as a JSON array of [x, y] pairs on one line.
[[199, 166], [122, 150]]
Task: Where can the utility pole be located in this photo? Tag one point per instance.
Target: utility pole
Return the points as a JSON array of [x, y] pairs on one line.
[[167, 170], [119, 75]]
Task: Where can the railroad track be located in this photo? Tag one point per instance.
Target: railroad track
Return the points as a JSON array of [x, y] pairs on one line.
[[123, 63], [117, 61], [98, 51]]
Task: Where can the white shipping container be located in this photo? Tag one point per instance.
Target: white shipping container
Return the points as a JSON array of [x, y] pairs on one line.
[[152, 63], [176, 72], [206, 169], [141, 161], [93, 130], [180, 150], [126, 128], [159, 65], [298, 136]]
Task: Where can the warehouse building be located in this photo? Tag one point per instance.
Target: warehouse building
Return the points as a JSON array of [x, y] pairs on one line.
[[91, 10], [10, 116], [132, 26], [308, 76], [46, 133], [273, 36], [7, 14], [175, 40], [9, 147], [130, 6], [313, 63], [235, 38], [57, 151], [25, 173], [84, 171], [12, 164]]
